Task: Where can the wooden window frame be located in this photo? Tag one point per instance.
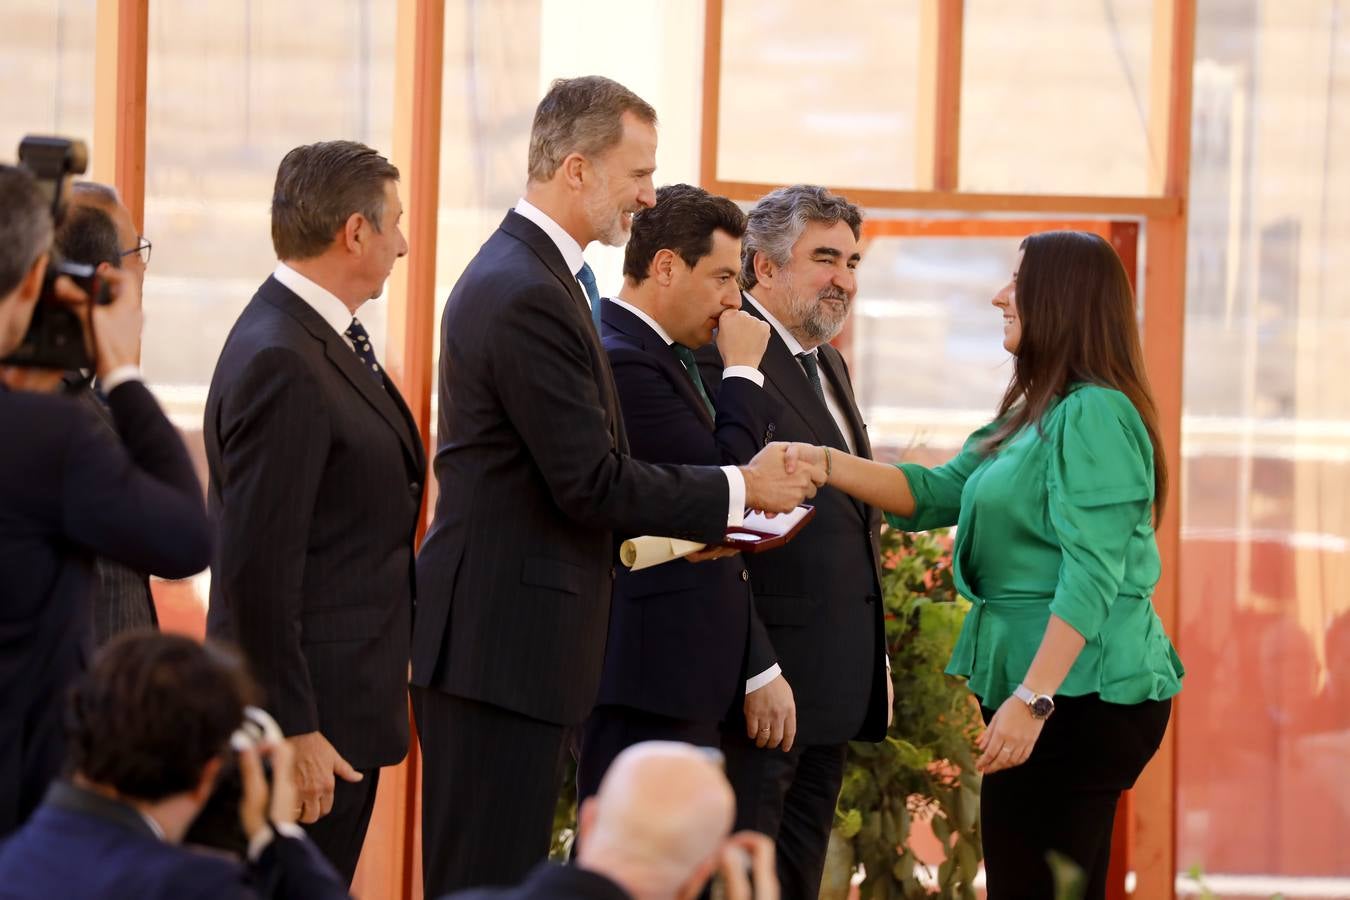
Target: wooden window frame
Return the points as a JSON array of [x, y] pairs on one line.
[[1146, 836], [119, 158]]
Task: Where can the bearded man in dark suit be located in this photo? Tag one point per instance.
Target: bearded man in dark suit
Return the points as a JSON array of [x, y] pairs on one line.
[[535, 479]]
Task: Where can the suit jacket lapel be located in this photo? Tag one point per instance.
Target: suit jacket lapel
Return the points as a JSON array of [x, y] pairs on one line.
[[346, 361], [621, 320], [782, 369], [530, 234], [832, 364]]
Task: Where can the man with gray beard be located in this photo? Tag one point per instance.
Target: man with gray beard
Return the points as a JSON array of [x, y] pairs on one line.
[[818, 597]]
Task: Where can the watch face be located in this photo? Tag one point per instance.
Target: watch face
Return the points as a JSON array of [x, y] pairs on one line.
[[1042, 707]]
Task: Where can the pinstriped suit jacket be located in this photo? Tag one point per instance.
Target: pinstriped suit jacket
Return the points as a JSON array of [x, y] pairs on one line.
[[316, 480], [515, 576]]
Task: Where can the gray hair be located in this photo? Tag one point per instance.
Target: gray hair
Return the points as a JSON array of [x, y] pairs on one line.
[[780, 217], [25, 226], [580, 115]]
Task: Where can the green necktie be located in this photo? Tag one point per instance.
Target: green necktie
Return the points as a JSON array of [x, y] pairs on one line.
[[812, 367], [691, 367]]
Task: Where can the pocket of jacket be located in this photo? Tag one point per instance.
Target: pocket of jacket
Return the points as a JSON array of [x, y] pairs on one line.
[[553, 574]]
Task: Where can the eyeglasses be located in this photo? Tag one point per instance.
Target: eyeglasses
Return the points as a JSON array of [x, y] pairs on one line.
[[142, 250]]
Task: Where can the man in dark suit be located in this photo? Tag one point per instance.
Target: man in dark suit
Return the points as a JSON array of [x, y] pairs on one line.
[[316, 476], [150, 733], [94, 230], [535, 478], [819, 596], [70, 490], [657, 827], [98, 230], [678, 632]]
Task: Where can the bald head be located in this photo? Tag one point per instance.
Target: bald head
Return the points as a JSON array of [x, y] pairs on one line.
[[662, 812]]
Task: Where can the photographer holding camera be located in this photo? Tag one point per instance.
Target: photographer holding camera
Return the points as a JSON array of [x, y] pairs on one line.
[[97, 230], [150, 732], [70, 490]]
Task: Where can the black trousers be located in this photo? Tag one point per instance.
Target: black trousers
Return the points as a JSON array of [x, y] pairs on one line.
[[1063, 798], [341, 834], [612, 729], [791, 798], [490, 783]]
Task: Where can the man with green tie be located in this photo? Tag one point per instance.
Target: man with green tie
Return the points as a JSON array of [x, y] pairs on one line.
[[677, 650]]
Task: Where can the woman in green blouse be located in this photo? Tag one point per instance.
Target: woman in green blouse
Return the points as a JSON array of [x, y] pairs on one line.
[[1055, 502]]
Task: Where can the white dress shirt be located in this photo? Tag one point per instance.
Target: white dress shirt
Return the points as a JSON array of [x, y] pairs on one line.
[[795, 347], [323, 301], [571, 254]]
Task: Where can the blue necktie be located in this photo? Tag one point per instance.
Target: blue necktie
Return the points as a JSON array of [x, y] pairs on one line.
[[587, 279], [356, 333]]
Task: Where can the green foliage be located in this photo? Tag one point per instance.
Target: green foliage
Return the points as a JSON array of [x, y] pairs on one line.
[[926, 765]]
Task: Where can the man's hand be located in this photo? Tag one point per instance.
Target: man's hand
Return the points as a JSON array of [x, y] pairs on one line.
[[316, 764], [748, 851], [770, 487], [798, 454], [699, 556], [117, 325], [771, 715], [258, 805], [741, 338]]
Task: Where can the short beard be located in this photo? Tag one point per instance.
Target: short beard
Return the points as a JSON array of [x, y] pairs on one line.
[[605, 221], [817, 322]]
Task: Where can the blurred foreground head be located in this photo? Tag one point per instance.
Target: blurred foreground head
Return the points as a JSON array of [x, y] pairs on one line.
[[659, 820]]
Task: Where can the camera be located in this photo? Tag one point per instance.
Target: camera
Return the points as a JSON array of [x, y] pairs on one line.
[[218, 825], [56, 338]]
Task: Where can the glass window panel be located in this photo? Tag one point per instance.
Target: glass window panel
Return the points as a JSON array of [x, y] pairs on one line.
[[1264, 736], [500, 58], [1055, 96], [928, 360], [47, 69], [819, 94], [231, 88]]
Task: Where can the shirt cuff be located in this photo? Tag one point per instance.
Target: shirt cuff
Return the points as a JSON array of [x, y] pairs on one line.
[[763, 678], [119, 376], [259, 843], [735, 496], [749, 372]]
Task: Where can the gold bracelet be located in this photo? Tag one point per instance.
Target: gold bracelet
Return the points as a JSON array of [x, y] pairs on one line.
[[828, 467]]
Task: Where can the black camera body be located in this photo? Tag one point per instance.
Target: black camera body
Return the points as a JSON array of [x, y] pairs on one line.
[[217, 825], [56, 338]]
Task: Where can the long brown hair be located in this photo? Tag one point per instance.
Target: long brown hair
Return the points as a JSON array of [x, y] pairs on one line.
[[1077, 315]]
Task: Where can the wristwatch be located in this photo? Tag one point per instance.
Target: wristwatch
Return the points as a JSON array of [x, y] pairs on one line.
[[1041, 705]]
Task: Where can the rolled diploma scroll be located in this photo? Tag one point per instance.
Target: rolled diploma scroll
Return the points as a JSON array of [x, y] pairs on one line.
[[647, 551]]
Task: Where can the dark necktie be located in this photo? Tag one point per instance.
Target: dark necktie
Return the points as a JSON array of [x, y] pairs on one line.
[[587, 279], [691, 368], [356, 333], [812, 367]]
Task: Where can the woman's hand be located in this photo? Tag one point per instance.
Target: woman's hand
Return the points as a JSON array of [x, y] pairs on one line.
[[1008, 740]]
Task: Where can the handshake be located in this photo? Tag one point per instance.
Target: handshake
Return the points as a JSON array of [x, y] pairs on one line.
[[782, 475]]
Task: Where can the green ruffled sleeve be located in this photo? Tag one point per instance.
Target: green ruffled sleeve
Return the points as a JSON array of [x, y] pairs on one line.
[[1100, 488], [937, 491]]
